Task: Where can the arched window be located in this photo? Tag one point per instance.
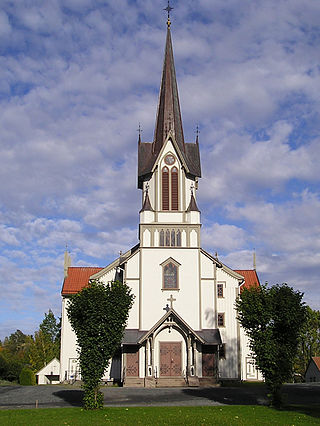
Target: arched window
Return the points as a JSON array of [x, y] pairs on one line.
[[178, 238], [167, 238], [170, 274], [162, 238], [174, 189], [165, 188], [173, 238]]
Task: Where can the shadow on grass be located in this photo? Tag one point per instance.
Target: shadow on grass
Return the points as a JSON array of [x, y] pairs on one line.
[[312, 410], [296, 398], [72, 397], [231, 395]]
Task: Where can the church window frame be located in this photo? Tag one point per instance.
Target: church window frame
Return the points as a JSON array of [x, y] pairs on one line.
[[165, 189], [168, 238], [173, 238], [174, 266], [174, 188], [220, 290], [170, 185], [221, 319], [161, 238], [178, 238]]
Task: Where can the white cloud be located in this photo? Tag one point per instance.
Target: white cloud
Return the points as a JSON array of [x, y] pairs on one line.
[[76, 79]]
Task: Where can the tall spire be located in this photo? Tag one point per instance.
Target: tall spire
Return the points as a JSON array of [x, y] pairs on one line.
[[169, 115]]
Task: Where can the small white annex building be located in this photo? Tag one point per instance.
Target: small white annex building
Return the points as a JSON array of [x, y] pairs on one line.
[[50, 374], [313, 370], [182, 328]]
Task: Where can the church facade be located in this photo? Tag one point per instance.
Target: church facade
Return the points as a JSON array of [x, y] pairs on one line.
[[182, 329]]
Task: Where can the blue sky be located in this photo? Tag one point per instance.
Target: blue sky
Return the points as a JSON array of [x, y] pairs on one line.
[[76, 78]]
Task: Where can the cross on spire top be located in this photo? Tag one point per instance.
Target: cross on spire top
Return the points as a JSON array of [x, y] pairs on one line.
[[168, 9]]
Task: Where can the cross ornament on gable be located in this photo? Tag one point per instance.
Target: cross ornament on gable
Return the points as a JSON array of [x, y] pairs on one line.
[[167, 309], [171, 300]]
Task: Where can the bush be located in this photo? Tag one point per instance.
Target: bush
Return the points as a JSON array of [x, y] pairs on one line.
[[27, 377]]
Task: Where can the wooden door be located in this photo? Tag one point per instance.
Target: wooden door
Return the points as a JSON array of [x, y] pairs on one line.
[[132, 364], [207, 364], [170, 359]]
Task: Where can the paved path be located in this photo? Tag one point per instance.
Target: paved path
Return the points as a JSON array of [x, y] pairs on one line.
[[67, 396]]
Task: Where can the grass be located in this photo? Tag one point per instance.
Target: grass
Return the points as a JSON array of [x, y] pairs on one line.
[[218, 415]]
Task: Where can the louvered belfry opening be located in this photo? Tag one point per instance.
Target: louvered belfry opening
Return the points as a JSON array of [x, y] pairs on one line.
[[174, 189], [165, 188]]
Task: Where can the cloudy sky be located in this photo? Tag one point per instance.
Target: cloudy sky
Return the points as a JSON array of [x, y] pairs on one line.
[[76, 78]]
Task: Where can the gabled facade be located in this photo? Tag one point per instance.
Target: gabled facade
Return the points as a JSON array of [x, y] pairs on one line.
[[182, 328], [313, 370]]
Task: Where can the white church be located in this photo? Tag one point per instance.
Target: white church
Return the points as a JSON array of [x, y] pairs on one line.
[[182, 329]]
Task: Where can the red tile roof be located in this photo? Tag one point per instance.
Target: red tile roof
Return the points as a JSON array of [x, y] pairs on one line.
[[316, 360], [250, 277], [77, 279]]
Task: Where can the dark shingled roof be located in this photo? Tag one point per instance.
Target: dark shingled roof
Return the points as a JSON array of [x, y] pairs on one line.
[[146, 205], [132, 336], [168, 118], [210, 336], [192, 205]]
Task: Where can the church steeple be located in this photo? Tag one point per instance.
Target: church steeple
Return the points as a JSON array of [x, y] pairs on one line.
[[168, 120], [169, 115]]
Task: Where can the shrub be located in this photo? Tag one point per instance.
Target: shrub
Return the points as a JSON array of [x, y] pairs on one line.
[[27, 377]]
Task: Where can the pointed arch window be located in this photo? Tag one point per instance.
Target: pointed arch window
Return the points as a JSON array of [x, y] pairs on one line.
[[161, 238], [178, 238], [167, 238], [174, 189], [173, 238], [165, 188], [170, 273]]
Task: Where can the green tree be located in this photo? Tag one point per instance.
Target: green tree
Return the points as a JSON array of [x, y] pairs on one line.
[[98, 315], [272, 317], [309, 342], [15, 354], [51, 327], [46, 342]]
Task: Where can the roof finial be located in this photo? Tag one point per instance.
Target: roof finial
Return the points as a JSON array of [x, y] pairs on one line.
[[254, 259], [168, 9], [140, 131], [197, 133]]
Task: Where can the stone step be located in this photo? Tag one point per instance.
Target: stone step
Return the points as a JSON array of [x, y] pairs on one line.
[[193, 381], [171, 382], [208, 381], [133, 382]]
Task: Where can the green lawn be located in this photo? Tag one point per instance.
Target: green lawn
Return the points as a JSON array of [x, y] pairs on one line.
[[231, 415]]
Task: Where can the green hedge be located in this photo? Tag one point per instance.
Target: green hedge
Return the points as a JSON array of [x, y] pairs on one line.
[[27, 377]]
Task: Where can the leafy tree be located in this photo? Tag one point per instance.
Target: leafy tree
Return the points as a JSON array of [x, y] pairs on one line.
[[98, 315], [27, 377], [51, 327], [272, 318], [309, 342], [17, 345], [46, 342]]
